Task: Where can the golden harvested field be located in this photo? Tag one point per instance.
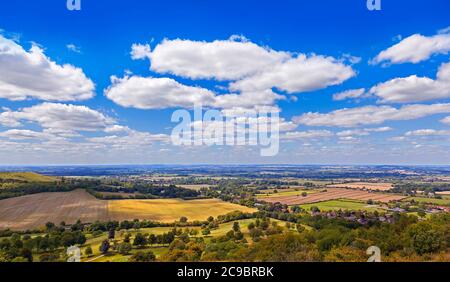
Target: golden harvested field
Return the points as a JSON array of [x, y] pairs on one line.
[[364, 185], [335, 194], [443, 193], [33, 211], [169, 210]]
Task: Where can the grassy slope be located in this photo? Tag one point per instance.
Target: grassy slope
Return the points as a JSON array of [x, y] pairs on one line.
[[25, 176]]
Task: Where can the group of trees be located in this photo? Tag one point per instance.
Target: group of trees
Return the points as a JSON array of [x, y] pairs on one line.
[[49, 247], [143, 191]]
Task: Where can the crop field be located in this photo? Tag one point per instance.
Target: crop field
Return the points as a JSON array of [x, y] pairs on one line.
[[169, 210], [335, 194], [334, 205], [443, 193], [33, 211], [364, 185]]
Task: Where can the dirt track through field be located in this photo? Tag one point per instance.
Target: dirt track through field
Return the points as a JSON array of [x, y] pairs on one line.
[[334, 194]]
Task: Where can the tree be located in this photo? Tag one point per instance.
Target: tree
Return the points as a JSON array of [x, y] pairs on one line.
[[143, 257], [127, 238], [206, 232], [88, 251], [111, 234], [236, 227], [304, 194], [300, 228], [104, 247], [49, 226], [183, 219], [426, 238], [152, 239], [139, 240], [26, 253], [124, 248], [251, 226]]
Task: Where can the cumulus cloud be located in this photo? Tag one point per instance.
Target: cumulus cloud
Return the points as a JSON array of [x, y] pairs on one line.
[[415, 48], [370, 115], [156, 93], [140, 51], [252, 70], [428, 132], [349, 94], [131, 139], [31, 74], [310, 134], [25, 134], [300, 74], [59, 117], [159, 93], [362, 132], [446, 120], [414, 88], [220, 59]]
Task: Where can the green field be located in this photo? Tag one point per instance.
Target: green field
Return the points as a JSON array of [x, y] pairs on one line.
[[341, 205], [443, 202]]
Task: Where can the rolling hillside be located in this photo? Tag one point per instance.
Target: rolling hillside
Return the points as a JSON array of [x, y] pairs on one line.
[[24, 177]]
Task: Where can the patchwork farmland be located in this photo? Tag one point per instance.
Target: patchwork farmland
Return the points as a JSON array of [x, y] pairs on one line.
[[364, 185], [34, 211], [335, 194]]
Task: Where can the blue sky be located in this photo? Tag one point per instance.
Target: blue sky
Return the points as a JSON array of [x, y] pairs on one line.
[[341, 40]]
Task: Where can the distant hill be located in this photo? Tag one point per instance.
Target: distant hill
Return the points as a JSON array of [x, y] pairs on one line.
[[24, 177]]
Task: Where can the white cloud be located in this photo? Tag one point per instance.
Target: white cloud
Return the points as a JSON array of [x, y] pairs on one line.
[[428, 132], [25, 75], [140, 51], [446, 120], [74, 48], [131, 139], [349, 94], [415, 48], [249, 66], [156, 93], [252, 70], [310, 134], [415, 89], [362, 132], [59, 117], [159, 93], [220, 59], [300, 74], [370, 115], [24, 134]]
